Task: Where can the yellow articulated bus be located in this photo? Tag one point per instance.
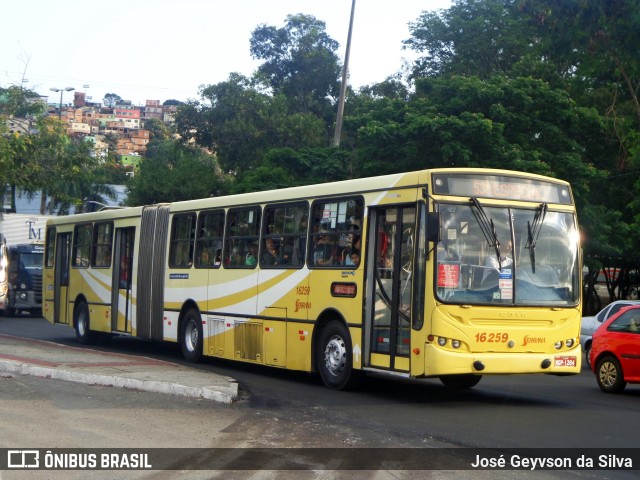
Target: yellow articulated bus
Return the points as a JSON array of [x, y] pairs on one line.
[[447, 273]]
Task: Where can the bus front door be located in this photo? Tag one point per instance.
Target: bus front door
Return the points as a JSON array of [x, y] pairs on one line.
[[389, 285], [61, 280], [121, 290]]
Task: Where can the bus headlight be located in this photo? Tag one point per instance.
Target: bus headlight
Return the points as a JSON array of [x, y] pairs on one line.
[[442, 341], [570, 342], [558, 345], [455, 343]]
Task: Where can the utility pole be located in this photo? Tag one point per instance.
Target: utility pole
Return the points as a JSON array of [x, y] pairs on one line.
[[343, 87]]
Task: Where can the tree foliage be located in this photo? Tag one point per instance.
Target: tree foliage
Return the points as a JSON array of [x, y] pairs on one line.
[[111, 99], [287, 104], [299, 62], [240, 124], [479, 38], [63, 169], [173, 171], [158, 130], [19, 102], [519, 124]]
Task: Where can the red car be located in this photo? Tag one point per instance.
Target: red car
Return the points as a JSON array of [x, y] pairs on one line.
[[615, 350]]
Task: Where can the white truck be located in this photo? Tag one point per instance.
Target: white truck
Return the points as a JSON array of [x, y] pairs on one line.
[[21, 261]]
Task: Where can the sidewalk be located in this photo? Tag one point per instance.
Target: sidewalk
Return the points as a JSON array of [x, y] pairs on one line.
[[46, 359]]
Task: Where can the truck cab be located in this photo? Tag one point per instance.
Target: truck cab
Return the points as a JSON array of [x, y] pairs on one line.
[[22, 275]]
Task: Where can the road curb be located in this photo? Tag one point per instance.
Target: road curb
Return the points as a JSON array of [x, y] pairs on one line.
[[225, 392]]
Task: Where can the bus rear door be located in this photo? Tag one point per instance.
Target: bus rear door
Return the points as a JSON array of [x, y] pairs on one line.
[[121, 291]]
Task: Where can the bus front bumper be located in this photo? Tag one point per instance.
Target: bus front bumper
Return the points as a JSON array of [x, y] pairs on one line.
[[445, 362]]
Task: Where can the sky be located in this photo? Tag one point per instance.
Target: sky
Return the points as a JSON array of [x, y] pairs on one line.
[[161, 50]]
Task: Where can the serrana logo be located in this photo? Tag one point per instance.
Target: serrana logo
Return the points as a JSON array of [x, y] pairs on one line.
[[528, 340], [300, 305]]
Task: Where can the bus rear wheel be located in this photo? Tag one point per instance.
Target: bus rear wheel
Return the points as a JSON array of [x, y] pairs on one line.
[[81, 322], [191, 339], [334, 357], [460, 382]]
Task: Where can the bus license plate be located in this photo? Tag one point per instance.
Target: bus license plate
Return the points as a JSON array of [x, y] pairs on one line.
[[565, 361]]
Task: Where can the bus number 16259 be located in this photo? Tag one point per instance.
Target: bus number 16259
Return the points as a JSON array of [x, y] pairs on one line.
[[492, 337]]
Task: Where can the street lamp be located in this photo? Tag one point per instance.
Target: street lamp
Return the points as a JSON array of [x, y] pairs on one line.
[[61, 90]]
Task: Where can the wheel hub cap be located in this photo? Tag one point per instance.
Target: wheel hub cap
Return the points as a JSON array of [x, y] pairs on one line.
[[335, 355]]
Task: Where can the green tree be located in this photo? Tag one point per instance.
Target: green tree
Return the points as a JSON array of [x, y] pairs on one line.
[[158, 130], [289, 167], [299, 62], [192, 124], [111, 99], [519, 124], [172, 102], [596, 44], [240, 124], [172, 171], [472, 37], [14, 150], [63, 169], [21, 103], [23, 106]]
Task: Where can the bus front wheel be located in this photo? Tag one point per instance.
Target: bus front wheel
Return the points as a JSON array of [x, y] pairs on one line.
[[460, 382], [335, 357], [191, 336]]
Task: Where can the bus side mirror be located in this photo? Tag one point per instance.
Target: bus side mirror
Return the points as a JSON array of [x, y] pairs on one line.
[[433, 227]]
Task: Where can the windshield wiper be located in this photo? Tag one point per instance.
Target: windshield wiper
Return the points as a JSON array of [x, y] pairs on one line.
[[488, 228], [533, 230]]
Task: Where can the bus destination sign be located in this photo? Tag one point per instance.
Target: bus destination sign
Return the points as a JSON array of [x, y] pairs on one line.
[[501, 187]]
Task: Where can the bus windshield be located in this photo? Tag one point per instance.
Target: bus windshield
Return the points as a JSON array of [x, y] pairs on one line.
[[506, 255]]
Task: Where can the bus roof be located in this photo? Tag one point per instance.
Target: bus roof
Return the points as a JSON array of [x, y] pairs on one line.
[[356, 186]]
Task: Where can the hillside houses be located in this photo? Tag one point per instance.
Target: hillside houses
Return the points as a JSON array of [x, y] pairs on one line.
[[125, 121], [93, 121]]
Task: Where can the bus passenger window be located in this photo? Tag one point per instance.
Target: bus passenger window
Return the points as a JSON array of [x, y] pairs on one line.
[[335, 227], [82, 245], [102, 245], [209, 239], [242, 236], [284, 236], [182, 236]]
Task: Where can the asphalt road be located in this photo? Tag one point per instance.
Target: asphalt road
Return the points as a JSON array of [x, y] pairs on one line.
[[280, 408]]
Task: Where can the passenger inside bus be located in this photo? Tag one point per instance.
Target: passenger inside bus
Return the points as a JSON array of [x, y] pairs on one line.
[[235, 257], [252, 255], [124, 272], [349, 252], [353, 259], [271, 254], [323, 253]]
